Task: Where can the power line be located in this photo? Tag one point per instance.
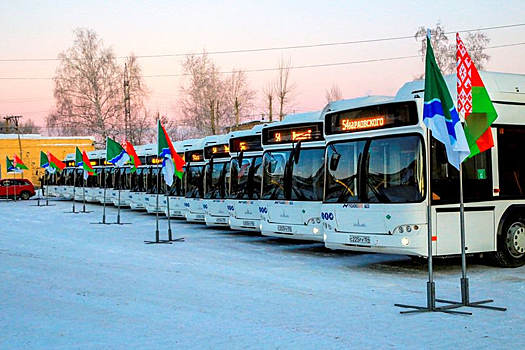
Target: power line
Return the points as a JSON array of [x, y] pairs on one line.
[[292, 47], [292, 67]]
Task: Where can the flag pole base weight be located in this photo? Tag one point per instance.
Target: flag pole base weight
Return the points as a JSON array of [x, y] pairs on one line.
[[161, 241], [121, 223], [465, 300], [43, 205], [431, 304], [182, 239]]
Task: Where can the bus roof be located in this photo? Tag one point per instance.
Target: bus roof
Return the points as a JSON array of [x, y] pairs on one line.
[[506, 90]]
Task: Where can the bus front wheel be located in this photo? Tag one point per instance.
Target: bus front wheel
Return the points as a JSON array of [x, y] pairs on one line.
[[511, 244]]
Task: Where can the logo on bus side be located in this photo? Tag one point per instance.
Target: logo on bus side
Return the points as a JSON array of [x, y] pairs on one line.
[[231, 208], [327, 216], [356, 206], [263, 210]]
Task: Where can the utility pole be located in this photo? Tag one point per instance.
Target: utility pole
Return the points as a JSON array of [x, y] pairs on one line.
[[127, 103], [15, 118], [237, 117]]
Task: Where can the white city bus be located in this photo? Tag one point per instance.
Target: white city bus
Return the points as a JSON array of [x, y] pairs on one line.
[[194, 182], [216, 179], [245, 179], [293, 175], [376, 187]]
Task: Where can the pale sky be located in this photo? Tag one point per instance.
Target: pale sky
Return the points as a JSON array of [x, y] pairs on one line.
[[43, 29]]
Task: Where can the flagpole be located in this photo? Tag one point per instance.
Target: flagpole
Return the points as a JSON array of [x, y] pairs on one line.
[[40, 193], [46, 189], [84, 194], [170, 236], [431, 286], [119, 185], [157, 234], [74, 183], [104, 200]]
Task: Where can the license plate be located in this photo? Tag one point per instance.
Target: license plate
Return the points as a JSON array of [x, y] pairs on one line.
[[221, 220], [200, 217], [359, 240], [248, 223], [284, 228]]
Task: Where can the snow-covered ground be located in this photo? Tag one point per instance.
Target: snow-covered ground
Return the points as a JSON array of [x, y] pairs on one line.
[[67, 283]]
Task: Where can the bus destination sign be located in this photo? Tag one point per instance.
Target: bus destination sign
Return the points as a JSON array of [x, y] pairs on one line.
[[372, 117], [302, 133], [217, 151], [247, 144]]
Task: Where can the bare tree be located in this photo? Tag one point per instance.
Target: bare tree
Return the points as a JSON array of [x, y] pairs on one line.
[[203, 99], [283, 88], [445, 53], [239, 95], [269, 96], [334, 94], [88, 89], [29, 127]]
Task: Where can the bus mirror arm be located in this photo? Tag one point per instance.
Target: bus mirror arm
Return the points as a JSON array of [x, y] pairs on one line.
[[334, 161]]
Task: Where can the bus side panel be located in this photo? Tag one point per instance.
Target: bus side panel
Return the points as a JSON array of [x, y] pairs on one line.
[[479, 232]]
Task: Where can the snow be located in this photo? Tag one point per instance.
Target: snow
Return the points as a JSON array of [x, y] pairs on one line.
[[67, 283]]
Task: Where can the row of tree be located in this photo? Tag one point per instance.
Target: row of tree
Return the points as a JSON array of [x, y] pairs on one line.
[[96, 96]]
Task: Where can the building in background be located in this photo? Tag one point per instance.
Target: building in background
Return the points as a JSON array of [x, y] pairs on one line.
[[28, 149]]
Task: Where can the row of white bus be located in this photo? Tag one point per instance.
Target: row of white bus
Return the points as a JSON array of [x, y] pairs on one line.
[[354, 176]]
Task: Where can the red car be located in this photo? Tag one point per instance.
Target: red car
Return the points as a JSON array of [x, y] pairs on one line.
[[22, 188]]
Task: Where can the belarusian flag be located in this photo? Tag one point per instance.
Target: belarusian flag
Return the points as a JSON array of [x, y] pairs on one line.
[[55, 163], [44, 162], [78, 157], [474, 102], [115, 154], [169, 156], [439, 113], [86, 165], [18, 163], [8, 164], [134, 158]]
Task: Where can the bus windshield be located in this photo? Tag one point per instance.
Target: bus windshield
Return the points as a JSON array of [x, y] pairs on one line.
[[137, 181], [216, 180], [246, 178], [194, 185], [284, 179], [380, 170]]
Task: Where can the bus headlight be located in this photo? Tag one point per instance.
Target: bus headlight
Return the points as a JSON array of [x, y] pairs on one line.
[[405, 241], [260, 227], [324, 237], [315, 230]]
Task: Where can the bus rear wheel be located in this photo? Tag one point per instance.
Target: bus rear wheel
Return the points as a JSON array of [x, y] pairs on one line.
[[511, 244]]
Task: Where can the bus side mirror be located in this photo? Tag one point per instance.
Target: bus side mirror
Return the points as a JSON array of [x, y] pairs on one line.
[[241, 157], [297, 152], [334, 161]]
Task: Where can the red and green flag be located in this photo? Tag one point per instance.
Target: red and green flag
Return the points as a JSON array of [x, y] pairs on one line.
[[134, 158], [86, 165], [17, 162], [172, 163], [474, 102], [55, 163]]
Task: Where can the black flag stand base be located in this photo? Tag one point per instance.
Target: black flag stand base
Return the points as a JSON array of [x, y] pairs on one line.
[[465, 300], [157, 239], [170, 237], [431, 304]]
